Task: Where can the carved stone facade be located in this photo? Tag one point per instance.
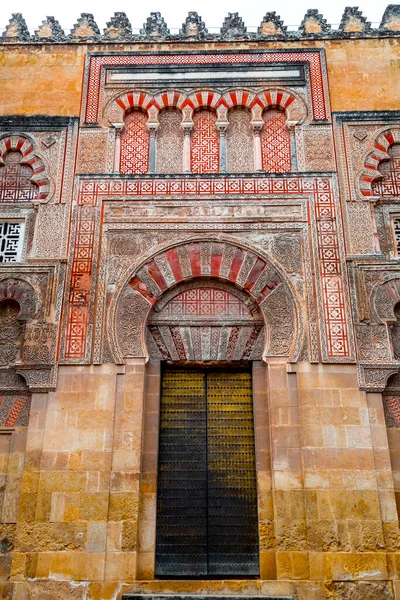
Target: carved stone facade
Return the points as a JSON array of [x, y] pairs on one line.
[[203, 208]]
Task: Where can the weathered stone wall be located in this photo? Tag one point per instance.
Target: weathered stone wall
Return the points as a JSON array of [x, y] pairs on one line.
[[363, 73]]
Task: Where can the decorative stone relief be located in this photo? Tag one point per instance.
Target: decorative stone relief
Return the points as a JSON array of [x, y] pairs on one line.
[[16, 30], [359, 223], [205, 320], [118, 28], [50, 31], [14, 409], [239, 142], [318, 150], [11, 332], [313, 23], [372, 342], [233, 26], [39, 345], [391, 18], [170, 142], [92, 151], [49, 238], [372, 378], [225, 261], [272, 25], [384, 299], [132, 313], [155, 27], [85, 28], [353, 21], [193, 27]]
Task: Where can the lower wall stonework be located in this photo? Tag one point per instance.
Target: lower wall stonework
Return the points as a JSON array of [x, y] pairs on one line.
[[327, 509]]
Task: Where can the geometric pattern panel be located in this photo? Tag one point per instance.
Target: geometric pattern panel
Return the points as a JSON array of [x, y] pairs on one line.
[[135, 144], [239, 142], [80, 283], [10, 242], [15, 179], [170, 136], [14, 409], [389, 185], [391, 407], [396, 228], [205, 143], [205, 303], [275, 143], [331, 273]]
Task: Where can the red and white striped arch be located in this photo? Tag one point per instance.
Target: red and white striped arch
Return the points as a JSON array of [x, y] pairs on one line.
[[293, 106], [378, 153], [24, 145], [211, 258]]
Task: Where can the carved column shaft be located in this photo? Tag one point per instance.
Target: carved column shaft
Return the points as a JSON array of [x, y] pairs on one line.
[[152, 149], [293, 151], [257, 147], [187, 129], [222, 148], [117, 149]]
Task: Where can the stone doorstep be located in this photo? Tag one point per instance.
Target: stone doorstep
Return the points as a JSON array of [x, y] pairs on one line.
[[200, 597]]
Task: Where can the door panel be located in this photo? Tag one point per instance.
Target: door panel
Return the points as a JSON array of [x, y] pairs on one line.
[[232, 499], [207, 502], [181, 541]]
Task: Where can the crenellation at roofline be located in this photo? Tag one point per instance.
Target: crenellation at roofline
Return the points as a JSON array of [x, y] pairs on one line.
[[313, 26]]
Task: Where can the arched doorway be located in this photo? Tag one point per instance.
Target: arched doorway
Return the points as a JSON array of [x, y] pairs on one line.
[[206, 333]]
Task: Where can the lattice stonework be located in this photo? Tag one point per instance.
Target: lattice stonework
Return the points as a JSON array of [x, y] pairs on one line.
[[205, 302], [389, 185], [15, 179], [10, 242], [135, 144], [205, 143], [170, 142], [239, 142], [275, 143], [396, 229]]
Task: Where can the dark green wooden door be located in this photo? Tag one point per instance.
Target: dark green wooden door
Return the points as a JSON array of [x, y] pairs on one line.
[[207, 499]]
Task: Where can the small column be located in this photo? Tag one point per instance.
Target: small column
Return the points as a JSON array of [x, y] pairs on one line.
[[152, 148], [257, 127], [118, 127], [293, 151], [222, 147], [187, 130]]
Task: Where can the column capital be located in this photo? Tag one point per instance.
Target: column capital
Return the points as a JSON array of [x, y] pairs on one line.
[[257, 127], [187, 128]]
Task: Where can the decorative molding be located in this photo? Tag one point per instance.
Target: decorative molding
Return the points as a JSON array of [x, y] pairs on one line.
[[373, 377], [97, 63]]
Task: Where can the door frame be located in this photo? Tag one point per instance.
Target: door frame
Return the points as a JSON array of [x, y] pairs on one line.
[[147, 514]]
